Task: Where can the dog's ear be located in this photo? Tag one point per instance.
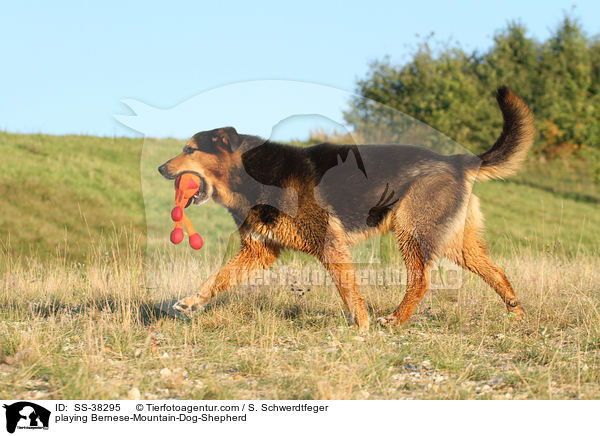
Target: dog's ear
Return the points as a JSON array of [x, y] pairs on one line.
[[228, 138]]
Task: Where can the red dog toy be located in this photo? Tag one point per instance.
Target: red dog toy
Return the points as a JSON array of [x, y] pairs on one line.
[[186, 186]]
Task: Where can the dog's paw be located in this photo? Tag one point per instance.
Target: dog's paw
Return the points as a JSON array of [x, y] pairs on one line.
[[515, 311], [187, 310]]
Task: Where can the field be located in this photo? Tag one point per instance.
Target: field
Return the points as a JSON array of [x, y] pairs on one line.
[[84, 284]]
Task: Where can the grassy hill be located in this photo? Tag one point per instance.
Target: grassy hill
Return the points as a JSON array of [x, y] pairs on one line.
[[61, 195], [59, 192]]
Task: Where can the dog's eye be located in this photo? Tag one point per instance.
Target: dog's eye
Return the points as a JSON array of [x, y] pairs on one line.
[[188, 150]]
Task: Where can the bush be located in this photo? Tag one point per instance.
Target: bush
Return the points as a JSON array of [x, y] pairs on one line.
[[451, 90]]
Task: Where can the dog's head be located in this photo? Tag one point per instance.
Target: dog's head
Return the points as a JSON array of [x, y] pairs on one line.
[[211, 155]]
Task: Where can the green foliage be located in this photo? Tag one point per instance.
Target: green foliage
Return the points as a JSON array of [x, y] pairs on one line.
[[451, 90]]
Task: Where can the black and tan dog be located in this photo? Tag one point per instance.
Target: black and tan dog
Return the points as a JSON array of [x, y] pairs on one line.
[[324, 198]]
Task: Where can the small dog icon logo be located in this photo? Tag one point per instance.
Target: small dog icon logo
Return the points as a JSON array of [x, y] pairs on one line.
[[26, 415]]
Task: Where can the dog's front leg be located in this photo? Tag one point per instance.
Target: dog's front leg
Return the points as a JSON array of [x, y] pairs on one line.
[[336, 259], [252, 257]]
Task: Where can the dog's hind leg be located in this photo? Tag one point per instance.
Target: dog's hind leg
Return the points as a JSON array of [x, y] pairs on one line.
[[471, 254], [417, 277], [475, 259], [252, 257], [422, 223]]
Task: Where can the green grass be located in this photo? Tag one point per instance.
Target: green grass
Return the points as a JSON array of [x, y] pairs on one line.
[[58, 193], [519, 215]]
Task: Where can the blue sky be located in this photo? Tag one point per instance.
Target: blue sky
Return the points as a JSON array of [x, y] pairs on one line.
[[66, 66]]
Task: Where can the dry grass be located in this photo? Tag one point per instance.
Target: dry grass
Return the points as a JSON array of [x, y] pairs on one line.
[[93, 331]]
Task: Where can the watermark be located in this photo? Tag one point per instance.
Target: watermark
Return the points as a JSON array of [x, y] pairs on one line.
[[268, 417], [25, 415], [441, 277]]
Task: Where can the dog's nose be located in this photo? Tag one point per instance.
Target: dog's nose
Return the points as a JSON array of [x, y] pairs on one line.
[[163, 169]]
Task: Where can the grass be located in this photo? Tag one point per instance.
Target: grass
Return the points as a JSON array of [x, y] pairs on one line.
[[59, 192], [84, 275], [97, 332]]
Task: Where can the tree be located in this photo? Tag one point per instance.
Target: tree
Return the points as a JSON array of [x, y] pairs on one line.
[[452, 90]]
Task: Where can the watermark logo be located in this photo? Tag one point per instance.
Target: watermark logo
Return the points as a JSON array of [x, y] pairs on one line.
[[24, 415]]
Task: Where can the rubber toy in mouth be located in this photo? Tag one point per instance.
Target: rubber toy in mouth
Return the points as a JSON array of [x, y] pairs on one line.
[[187, 185]]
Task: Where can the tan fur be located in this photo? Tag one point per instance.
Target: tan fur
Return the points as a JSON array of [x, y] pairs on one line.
[[469, 251], [385, 226]]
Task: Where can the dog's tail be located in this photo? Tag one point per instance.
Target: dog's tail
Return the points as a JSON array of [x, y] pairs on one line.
[[510, 149]]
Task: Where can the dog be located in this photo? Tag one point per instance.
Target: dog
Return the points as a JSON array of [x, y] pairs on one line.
[[285, 197]]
